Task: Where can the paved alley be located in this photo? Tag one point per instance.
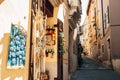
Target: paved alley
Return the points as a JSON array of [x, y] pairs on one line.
[[92, 70]]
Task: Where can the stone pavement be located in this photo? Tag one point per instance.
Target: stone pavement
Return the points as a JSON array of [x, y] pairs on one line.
[[92, 70]]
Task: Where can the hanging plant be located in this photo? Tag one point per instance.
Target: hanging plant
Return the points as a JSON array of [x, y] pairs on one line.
[[61, 51]]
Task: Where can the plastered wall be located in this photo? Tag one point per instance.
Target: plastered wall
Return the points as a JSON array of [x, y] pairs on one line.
[[51, 63], [16, 12]]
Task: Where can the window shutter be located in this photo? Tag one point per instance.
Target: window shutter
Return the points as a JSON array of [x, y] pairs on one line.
[[108, 16]]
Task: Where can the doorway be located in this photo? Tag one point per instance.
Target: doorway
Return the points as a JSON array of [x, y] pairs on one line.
[[109, 52]]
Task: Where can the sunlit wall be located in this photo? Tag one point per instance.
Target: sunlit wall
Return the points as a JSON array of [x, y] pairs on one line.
[[12, 12]]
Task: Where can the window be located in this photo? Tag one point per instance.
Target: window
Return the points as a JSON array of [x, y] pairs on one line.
[[108, 43], [105, 24], [108, 16], [99, 46], [80, 29], [102, 48]]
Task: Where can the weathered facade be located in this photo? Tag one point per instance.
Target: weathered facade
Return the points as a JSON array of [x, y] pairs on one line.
[[65, 18], [86, 36], [72, 39], [13, 12], [44, 52], [43, 21], [92, 29], [111, 19], [106, 27]]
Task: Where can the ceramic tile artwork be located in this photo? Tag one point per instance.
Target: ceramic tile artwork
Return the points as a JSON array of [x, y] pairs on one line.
[[17, 47]]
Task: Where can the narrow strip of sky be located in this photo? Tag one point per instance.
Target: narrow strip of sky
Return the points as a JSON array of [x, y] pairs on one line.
[[84, 7]]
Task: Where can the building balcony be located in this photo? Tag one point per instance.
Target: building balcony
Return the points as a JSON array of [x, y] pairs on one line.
[[75, 18], [75, 12], [75, 6]]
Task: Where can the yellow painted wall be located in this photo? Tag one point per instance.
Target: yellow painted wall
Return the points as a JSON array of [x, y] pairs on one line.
[[87, 33], [91, 30], [51, 63], [53, 58], [51, 22], [13, 11]]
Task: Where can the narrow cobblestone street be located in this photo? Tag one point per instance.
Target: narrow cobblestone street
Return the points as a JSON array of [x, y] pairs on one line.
[[92, 70]]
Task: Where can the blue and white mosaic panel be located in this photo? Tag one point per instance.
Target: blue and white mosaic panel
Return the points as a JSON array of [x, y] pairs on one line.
[[17, 47]]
